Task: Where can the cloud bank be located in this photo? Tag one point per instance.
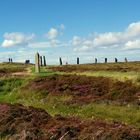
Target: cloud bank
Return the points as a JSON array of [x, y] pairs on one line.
[[95, 44], [16, 39], [125, 40]]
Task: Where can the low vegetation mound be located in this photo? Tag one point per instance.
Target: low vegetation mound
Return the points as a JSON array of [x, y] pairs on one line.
[[119, 67], [20, 122], [85, 89], [6, 69], [2, 72]]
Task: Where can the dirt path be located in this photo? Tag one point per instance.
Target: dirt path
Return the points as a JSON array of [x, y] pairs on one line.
[[27, 72]]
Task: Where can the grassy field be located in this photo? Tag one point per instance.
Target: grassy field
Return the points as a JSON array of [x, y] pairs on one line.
[[128, 114], [120, 71], [122, 76], [12, 91], [12, 67], [53, 90]]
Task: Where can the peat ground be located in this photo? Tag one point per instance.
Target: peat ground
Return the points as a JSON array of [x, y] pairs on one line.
[[19, 122], [86, 89], [58, 104]]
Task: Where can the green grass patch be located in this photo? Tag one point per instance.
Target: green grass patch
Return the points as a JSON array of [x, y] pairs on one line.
[[9, 84], [56, 105], [12, 67], [45, 72], [121, 76], [11, 91], [9, 88]]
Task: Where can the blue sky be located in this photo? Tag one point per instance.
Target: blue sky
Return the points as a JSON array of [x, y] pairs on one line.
[[70, 29]]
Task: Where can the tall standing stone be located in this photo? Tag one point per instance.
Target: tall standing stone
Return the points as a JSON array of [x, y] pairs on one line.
[[125, 60], [44, 60], [77, 60], [27, 61], [41, 61], [116, 60], [60, 60], [105, 60], [95, 60], [37, 65]]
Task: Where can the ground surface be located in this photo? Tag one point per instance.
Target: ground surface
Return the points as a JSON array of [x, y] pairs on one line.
[[93, 101], [21, 122], [85, 89]]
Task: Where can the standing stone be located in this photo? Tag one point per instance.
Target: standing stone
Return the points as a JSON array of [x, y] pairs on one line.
[[37, 65], [95, 60], [27, 61], [125, 60], [105, 60], [116, 60], [9, 60], [44, 60], [41, 61], [60, 60], [77, 60]]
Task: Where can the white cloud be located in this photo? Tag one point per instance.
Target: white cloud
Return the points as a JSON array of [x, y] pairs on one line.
[[46, 44], [21, 39], [82, 49], [15, 39], [133, 30], [76, 41], [52, 34], [7, 43], [132, 45], [103, 43], [127, 39], [39, 45], [88, 43], [106, 39]]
